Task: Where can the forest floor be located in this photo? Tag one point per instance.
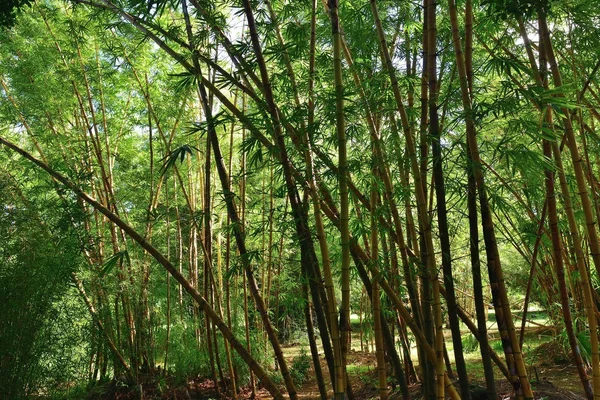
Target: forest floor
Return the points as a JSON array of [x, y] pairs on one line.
[[550, 381], [551, 375], [552, 378], [551, 372]]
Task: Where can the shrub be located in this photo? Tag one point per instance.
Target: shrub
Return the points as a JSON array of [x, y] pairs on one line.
[[300, 367], [470, 343]]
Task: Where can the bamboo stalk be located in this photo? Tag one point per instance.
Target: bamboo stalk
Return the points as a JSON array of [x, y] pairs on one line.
[[161, 259]]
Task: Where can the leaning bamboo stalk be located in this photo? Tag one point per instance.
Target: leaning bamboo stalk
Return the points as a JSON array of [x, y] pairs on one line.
[[534, 263], [168, 233], [585, 202], [560, 270], [300, 218], [590, 308], [340, 386], [242, 211], [162, 260], [308, 318], [401, 309], [233, 376], [396, 302], [480, 335], [100, 325], [317, 213], [440, 190], [239, 236], [375, 299], [427, 251], [574, 151], [506, 327]]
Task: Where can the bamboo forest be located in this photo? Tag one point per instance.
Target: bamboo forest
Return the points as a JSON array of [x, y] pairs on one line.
[[299, 199]]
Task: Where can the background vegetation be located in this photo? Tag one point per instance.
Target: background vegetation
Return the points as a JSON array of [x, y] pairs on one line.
[[188, 184]]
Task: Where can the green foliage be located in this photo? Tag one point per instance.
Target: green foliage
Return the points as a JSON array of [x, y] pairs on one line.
[[90, 92], [9, 10], [496, 345], [470, 343], [585, 345], [186, 359], [300, 367], [583, 341], [179, 153], [38, 341], [516, 8], [118, 258]]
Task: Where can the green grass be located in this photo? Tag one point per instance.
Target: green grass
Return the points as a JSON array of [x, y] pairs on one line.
[[359, 369]]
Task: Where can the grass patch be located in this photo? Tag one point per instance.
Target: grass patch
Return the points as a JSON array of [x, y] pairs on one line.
[[358, 369], [473, 358]]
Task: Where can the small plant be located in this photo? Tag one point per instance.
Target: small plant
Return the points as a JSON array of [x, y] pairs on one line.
[[583, 341], [496, 345], [368, 380], [300, 367], [470, 343], [585, 345], [275, 376]]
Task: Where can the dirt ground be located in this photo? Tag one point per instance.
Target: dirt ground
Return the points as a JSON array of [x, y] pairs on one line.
[[550, 382], [553, 383], [552, 378]]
